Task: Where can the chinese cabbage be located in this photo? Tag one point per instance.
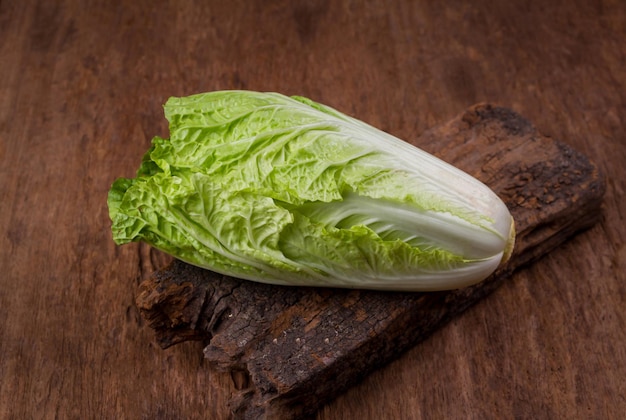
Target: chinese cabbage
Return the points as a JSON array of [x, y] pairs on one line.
[[284, 190]]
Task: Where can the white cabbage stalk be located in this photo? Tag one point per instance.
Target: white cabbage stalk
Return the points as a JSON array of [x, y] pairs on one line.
[[287, 191]]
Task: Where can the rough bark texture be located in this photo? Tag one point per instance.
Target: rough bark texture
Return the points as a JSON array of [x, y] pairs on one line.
[[293, 349]]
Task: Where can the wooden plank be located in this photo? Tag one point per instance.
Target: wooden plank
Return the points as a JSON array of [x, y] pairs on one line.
[[293, 349], [81, 90]]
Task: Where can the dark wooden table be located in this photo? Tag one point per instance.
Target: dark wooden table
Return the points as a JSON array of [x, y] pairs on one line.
[[81, 89]]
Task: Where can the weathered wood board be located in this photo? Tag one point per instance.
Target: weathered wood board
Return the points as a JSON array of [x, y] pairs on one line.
[[293, 349]]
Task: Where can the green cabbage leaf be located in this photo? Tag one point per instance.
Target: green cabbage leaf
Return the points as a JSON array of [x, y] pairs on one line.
[[283, 190]]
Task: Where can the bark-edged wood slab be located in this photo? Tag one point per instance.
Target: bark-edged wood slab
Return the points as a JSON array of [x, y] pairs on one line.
[[293, 349]]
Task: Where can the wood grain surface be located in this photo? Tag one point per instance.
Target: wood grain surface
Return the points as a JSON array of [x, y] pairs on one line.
[[81, 89]]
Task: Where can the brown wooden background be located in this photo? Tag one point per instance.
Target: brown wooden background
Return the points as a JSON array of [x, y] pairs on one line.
[[81, 89]]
